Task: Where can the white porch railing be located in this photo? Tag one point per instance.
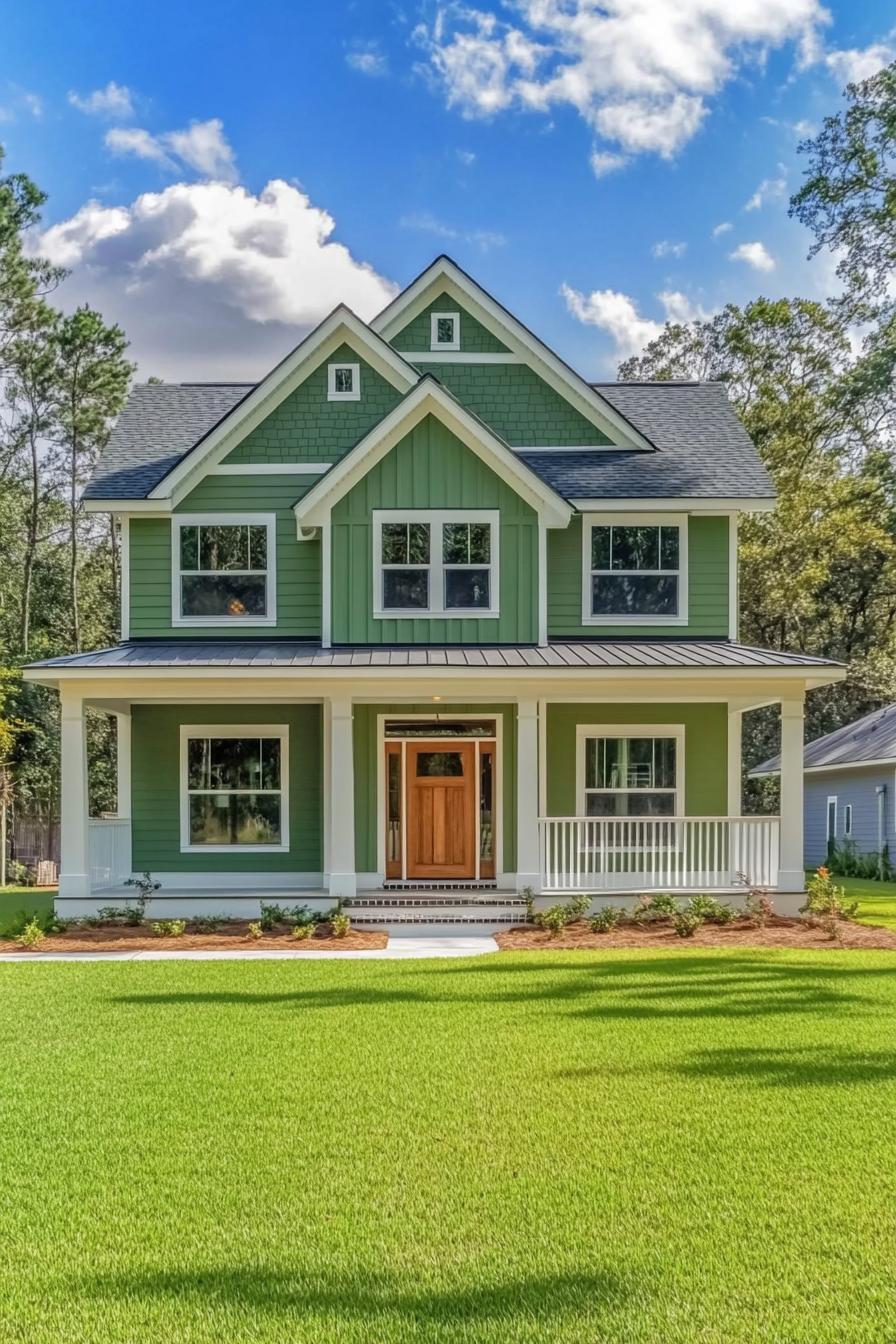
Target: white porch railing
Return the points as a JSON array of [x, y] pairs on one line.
[[657, 853], [108, 851]]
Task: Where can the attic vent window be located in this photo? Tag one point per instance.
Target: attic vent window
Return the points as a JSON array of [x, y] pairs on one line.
[[343, 382], [445, 331]]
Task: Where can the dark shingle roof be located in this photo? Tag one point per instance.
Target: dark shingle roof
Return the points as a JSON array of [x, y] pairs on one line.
[[872, 738], [585, 656], [703, 451]]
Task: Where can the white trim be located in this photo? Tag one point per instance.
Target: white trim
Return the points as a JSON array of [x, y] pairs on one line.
[[651, 730], [155, 508], [355, 370], [735, 761], [442, 355], [271, 469], [693, 503], [528, 832], [430, 398], [443, 277], [436, 520], [679, 520], [343, 878], [278, 730], [568, 448], [341, 327], [268, 520], [124, 576], [434, 342], [733, 579], [847, 821], [830, 834]]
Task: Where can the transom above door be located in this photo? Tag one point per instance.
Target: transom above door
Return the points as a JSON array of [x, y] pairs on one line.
[[440, 802]]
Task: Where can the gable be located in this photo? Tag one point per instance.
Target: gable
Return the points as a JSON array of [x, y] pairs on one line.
[[307, 427], [475, 338], [518, 405]]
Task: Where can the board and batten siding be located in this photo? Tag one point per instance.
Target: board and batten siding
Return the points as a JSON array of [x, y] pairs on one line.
[[370, 771], [857, 787], [705, 750], [431, 469], [156, 789], [298, 563], [708, 589]]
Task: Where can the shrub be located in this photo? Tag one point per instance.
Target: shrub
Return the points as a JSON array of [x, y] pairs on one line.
[[272, 915], [145, 885], [169, 928], [114, 914], [556, 917], [606, 919], [844, 860], [32, 935], [528, 896], [650, 908], [304, 930], [686, 923], [710, 910], [20, 874], [340, 925], [210, 923], [825, 898], [758, 907], [254, 930], [303, 918]]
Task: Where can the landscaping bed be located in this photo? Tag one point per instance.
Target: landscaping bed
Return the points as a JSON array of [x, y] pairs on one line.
[[141, 938], [778, 932]]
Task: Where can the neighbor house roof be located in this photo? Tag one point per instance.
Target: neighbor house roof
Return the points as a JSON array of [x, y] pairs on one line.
[[702, 449], [867, 741]]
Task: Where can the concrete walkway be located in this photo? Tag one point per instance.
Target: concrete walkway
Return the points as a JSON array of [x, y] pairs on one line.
[[407, 947]]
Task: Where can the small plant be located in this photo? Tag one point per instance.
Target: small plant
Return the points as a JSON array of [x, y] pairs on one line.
[[686, 923], [825, 898], [758, 907], [828, 923], [32, 935], [528, 896], [710, 910], [304, 930], [340, 925], [254, 930], [272, 915], [169, 928], [303, 917], [606, 919], [652, 908], [210, 923], [145, 885], [20, 874], [114, 914], [556, 917]]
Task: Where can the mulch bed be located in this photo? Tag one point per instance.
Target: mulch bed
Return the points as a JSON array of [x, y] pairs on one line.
[[128, 938], [779, 932]]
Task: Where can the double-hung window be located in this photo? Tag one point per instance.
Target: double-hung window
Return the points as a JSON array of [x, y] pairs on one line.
[[234, 788], [223, 570], [435, 563], [630, 772], [634, 570]]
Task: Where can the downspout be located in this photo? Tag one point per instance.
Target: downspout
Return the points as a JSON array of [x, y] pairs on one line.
[[881, 828]]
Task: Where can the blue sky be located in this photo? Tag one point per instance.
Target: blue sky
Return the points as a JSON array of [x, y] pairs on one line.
[[221, 175]]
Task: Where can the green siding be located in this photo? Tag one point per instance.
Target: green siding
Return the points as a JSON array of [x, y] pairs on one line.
[[430, 468], [474, 337], [519, 406], [298, 563], [306, 427], [705, 751], [156, 786], [707, 585], [369, 767]]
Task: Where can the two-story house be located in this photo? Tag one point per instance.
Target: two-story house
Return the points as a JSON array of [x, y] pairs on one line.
[[425, 609]]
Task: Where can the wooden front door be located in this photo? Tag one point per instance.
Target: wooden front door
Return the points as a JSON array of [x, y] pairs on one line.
[[441, 810]]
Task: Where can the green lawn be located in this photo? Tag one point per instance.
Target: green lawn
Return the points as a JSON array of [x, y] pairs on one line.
[[877, 900], [631, 1148], [15, 899]]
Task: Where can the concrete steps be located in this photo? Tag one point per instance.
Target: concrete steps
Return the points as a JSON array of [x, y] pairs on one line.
[[390, 909]]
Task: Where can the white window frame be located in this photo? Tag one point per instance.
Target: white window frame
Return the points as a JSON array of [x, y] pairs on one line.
[[434, 342], [847, 821], [332, 394], [830, 834], [278, 730], [436, 519], [182, 520], [584, 731], [679, 520]]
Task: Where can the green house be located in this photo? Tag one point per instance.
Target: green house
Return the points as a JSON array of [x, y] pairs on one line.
[[426, 612]]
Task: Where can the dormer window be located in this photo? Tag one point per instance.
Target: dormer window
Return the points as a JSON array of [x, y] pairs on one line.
[[445, 331], [343, 382]]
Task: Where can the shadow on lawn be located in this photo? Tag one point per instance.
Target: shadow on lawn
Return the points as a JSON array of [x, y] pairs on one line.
[[367, 1295], [812, 1066]]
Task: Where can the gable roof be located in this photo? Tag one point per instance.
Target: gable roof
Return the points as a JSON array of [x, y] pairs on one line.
[[868, 741], [444, 275], [430, 397]]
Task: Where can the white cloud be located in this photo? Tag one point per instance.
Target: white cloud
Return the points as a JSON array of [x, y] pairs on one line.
[[853, 65], [725, 227], [755, 255], [465, 156], [665, 248], [209, 280], [115, 100], [202, 146], [425, 222], [618, 315], [639, 72], [368, 58], [769, 189], [603, 162]]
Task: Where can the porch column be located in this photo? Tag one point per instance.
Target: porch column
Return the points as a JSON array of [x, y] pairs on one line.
[[74, 875], [791, 876], [735, 779], [528, 862], [342, 879], [123, 784]]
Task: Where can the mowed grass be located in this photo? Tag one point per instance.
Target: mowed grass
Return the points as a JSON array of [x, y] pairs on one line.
[[31, 900], [877, 900], [685, 1146]]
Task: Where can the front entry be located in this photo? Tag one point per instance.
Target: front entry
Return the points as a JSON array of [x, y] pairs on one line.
[[440, 812]]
